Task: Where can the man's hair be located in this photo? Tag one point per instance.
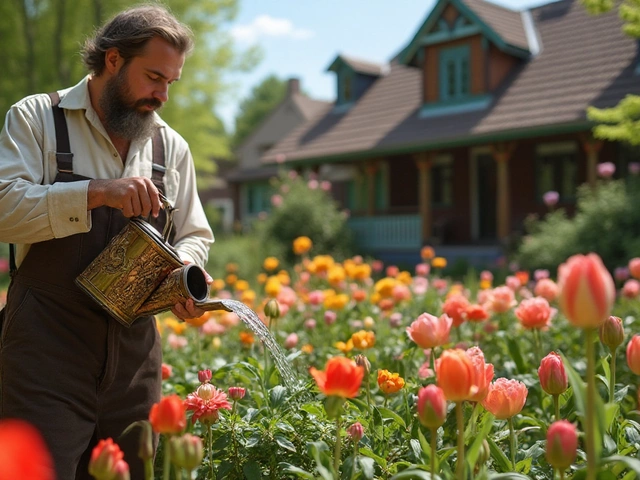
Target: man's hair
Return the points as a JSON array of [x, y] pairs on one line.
[[129, 32]]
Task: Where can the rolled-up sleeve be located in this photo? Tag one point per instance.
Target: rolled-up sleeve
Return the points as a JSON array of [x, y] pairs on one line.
[[31, 212]]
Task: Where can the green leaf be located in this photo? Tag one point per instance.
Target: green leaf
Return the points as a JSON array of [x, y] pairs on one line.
[[413, 474], [474, 450], [516, 355], [499, 458], [509, 476], [252, 470], [632, 463], [318, 451], [524, 466], [368, 453], [386, 413], [277, 396], [284, 443], [368, 466], [297, 471], [426, 448]]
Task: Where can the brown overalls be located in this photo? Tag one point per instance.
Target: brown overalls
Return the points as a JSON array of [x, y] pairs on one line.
[[66, 365]]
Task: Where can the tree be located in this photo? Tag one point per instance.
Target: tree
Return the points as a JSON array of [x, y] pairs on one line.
[[41, 54], [257, 106], [622, 122]]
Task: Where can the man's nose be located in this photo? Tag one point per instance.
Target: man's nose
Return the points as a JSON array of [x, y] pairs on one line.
[[161, 94]]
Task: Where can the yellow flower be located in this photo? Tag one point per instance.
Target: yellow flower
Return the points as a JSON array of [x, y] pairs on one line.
[[270, 263], [242, 285], [284, 277], [390, 382], [439, 262], [308, 348], [248, 297], [363, 339], [344, 347], [485, 284], [231, 279], [336, 275], [336, 302], [384, 286], [216, 342], [218, 284], [262, 278], [273, 286], [405, 278], [232, 268], [323, 263], [177, 327], [302, 245]]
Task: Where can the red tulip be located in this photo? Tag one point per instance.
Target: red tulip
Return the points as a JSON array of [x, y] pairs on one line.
[[168, 415], [104, 458], [341, 378], [587, 291], [23, 452], [562, 444]]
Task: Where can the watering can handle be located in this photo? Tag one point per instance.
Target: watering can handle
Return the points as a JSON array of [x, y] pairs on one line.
[[170, 209]]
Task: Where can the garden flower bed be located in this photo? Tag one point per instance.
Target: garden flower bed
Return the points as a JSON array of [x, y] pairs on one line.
[[404, 375]]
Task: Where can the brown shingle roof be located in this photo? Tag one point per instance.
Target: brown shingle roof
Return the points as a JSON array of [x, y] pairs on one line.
[[585, 60], [506, 23]]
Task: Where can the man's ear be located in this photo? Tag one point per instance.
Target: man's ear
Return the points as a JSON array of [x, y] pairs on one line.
[[112, 60]]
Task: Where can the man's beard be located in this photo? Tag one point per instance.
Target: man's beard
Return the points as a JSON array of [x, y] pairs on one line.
[[122, 116]]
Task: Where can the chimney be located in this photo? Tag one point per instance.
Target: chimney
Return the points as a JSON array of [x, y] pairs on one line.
[[293, 86]]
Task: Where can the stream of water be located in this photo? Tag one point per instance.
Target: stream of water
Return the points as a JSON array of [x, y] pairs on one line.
[[249, 317]]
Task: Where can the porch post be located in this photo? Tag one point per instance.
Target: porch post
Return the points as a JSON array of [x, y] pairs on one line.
[[591, 148], [501, 154], [424, 162], [371, 169]]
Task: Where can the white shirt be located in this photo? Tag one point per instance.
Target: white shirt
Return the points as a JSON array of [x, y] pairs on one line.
[[32, 209]]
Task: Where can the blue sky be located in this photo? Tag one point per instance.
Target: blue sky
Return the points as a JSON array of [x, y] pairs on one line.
[[300, 38]]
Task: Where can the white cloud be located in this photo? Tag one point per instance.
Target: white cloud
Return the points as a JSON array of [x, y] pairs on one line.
[[267, 26]]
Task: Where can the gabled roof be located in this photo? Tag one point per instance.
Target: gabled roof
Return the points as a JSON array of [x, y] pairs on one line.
[[585, 60], [504, 27], [358, 66]]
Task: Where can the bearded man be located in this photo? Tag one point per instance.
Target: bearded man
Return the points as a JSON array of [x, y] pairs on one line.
[[75, 165]]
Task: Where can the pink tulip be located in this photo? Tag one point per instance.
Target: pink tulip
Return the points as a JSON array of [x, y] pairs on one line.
[[633, 354], [552, 375], [502, 299], [484, 373], [291, 341], [562, 444], [587, 291], [534, 313], [611, 332], [634, 267], [355, 432], [506, 398], [631, 288], [429, 331], [432, 406], [546, 288]]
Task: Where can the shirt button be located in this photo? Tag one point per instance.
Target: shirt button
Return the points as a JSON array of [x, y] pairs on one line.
[[71, 219], [115, 154], [77, 219]]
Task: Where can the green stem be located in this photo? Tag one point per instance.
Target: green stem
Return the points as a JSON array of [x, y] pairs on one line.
[[148, 469], [434, 447], [336, 452], [166, 470], [556, 406], [513, 443], [474, 418], [210, 435], [460, 424], [355, 459], [177, 471], [537, 345], [612, 381], [591, 399]]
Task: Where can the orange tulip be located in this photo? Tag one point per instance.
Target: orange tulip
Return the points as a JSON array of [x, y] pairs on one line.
[[23, 452], [341, 377], [633, 354], [456, 375], [168, 415], [587, 291], [484, 373], [505, 398], [390, 382]]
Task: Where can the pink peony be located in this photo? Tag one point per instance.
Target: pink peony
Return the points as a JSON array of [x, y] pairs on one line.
[[205, 403]]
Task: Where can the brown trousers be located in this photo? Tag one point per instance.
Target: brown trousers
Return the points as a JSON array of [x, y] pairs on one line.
[[66, 365]]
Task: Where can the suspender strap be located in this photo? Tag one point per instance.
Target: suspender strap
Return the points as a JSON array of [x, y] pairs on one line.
[[158, 168], [12, 260], [64, 157]]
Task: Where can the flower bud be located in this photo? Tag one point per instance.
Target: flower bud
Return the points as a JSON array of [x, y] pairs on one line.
[[552, 375], [206, 391], [272, 309], [612, 332], [484, 455], [633, 354], [204, 376], [146, 450], [356, 432], [166, 371], [562, 444], [432, 406], [104, 458], [122, 471], [186, 451], [364, 363], [236, 393]]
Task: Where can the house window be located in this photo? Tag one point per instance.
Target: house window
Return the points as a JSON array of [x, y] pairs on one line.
[[258, 196], [346, 88], [455, 80], [556, 170], [442, 181]]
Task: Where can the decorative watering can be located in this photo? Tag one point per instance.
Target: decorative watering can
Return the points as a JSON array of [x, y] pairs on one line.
[[139, 273]]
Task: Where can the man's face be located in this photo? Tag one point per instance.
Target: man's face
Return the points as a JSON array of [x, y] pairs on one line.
[[139, 88]]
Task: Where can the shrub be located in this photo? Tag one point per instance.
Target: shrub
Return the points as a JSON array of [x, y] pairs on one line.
[[303, 209], [607, 221]]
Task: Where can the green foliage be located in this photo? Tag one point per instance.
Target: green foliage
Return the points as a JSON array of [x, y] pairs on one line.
[[607, 221], [304, 211], [622, 122], [257, 106], [45, 42]]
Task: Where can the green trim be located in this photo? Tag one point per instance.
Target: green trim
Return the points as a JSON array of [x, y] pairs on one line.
[[409, 52], [445, 36], [470, 103], [464, 141], [459, 59]]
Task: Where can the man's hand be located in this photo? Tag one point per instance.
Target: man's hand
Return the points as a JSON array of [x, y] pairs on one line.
[[188, 309], [134, 196]]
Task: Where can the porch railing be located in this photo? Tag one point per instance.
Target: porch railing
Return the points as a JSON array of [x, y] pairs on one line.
[[390, 232]]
